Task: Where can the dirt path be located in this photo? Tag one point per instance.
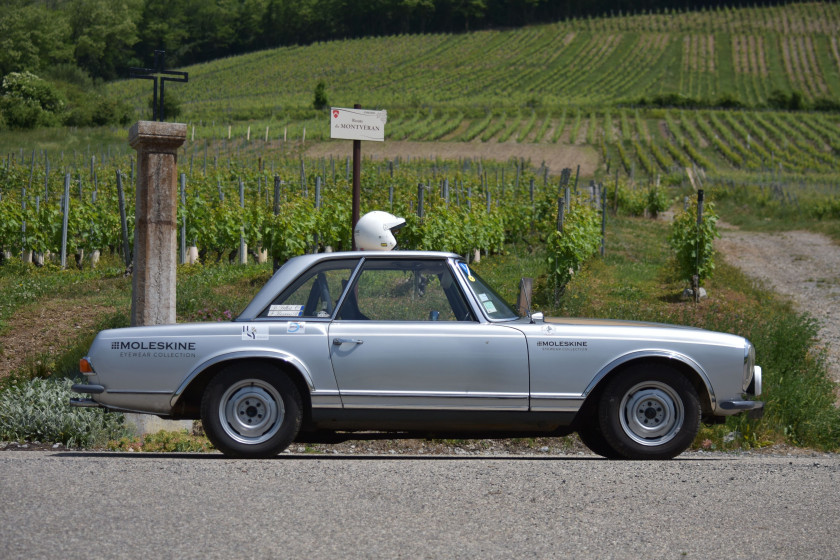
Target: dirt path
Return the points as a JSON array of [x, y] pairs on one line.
[[801, 265]]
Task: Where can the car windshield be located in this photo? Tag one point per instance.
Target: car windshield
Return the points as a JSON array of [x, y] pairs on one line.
[[494, 306]]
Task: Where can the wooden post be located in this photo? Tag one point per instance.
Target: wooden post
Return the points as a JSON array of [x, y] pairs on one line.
[[523, 304], [65, 209], [357, 181], [155, 235], [243, 247], [184, 222], [603, 222], [276, 212], [123, 221]]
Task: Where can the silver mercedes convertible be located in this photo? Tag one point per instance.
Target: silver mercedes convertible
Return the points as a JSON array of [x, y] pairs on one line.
[[416, 344]]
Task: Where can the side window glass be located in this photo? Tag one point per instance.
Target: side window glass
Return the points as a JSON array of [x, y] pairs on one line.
[[405, 291], [315, 293]]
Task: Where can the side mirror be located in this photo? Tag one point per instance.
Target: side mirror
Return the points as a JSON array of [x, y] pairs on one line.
[[538, 316]]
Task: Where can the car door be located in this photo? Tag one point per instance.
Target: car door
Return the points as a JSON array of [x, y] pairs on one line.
[[406, 338]]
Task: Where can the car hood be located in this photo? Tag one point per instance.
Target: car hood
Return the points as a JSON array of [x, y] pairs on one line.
[[611, 323]]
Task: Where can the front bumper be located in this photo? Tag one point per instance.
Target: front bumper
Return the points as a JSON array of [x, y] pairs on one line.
[[754, 409]]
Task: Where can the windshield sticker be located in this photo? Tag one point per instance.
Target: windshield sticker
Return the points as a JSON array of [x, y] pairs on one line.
[[488, 305], [285, 311], [255, 332], [483, 297], [467, 272], [296, 328]]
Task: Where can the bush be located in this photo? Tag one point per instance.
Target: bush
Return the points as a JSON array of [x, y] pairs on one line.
[[657, 200], [786, 102], [826, 104], [91, 109], [694, 243], [27, 101], [171, 106], [640, 202], [320, 101], [39, 410], [163, 442], [567, 250]]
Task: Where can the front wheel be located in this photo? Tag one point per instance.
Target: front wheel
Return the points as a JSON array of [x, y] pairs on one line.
[[251, 410], [649, 412]]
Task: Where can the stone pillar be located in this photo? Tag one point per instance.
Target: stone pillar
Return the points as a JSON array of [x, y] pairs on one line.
[[156, 216], [155, 238]]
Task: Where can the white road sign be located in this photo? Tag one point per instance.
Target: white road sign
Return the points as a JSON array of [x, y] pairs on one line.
[[357, 124]]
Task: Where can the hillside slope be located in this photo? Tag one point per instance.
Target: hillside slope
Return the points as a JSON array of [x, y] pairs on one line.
[[745, 54]]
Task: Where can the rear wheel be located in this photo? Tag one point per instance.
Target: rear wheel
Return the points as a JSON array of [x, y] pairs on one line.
[[251, 410], [592, 438], [649, 412]]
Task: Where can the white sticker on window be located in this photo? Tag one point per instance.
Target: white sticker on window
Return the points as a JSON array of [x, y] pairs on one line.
[[483, 297], [488, 305], [285, 311], [255, 332], [296, 328]]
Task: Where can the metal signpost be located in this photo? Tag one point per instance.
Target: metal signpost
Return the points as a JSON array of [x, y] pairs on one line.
[[357, 124]]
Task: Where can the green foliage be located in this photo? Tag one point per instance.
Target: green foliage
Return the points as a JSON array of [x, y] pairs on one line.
[[32, 37], [104, 32], [786, 101], [580, 239], [163, 442], [320, 101], [693, 242], [39, 410], [27, 101], [642, 202], [171, 106]]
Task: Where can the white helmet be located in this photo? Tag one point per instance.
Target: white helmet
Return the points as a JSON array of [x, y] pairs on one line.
[[375, 231]]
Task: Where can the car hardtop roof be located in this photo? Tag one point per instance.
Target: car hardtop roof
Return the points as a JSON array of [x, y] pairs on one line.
[[297, 265], [378, 255]]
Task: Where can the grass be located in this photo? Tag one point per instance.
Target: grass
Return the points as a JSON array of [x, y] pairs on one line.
[[24, 284]]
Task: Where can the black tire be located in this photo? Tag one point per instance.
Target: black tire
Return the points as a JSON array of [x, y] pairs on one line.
[[251, 410], [649, 412], [592, 438]]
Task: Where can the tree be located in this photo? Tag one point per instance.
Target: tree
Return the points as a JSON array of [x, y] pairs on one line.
[[320, 101], [32, 38], [104, 32]]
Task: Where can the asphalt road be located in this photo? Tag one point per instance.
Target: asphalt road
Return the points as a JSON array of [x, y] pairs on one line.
[[701, 505]]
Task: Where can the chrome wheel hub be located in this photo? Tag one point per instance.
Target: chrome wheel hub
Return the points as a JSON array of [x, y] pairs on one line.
[[651, 413], [251, 411]]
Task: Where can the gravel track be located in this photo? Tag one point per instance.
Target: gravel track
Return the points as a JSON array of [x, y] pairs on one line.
[[701, 505], [798, 264]]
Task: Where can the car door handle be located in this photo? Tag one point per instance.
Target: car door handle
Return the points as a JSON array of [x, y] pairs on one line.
[[340, 341]]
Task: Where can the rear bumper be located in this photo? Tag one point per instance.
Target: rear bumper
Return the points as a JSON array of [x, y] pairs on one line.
[[88, 389]]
